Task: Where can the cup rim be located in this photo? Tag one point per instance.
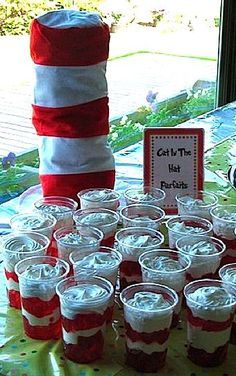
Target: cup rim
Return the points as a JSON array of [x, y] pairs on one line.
[[201, 236], [141, 188], [97, 210], [156, 208], [213, 195], [64, 199], [32, 214], [188, 217], [111, 250], [70, 229], [223, 219], [18, 234], [167, 251], [164, 287], [160, 236], [223, 268], [81, 193]]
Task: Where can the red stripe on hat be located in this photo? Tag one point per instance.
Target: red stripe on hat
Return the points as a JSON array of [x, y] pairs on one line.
[[72, 46], [69, 185], [84, 120]]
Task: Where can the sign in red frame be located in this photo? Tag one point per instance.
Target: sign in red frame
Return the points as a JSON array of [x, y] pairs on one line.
[[174, 162]]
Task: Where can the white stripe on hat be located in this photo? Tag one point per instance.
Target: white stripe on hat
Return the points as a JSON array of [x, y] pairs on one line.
[[65, 18], [74, 155], [69, 86]]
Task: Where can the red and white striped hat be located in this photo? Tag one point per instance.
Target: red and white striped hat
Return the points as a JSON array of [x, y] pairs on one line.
[[70, 106]]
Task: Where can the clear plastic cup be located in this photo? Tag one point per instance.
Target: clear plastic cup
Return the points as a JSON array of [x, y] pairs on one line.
[[198, 203], [62, 208], [168, 268], [144, 195], [205, 253], [75, 238], [142, 215], [104, 219], [224, 224], [42, 223], [99, 198], [131, 243], [84, 303], [181, 225], [227, 273], [210, 308], [148, 311], [38, 277], [16, 247]]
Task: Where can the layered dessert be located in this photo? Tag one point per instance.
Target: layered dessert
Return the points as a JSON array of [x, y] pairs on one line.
[[144, 195], [147, 317], [84, 312], [198, 204], [141, 215], [99, 198], [205, 253], [210, 310], [224, 224], [179, 226], [104, 219], [131, 243], [15, 248], [38, 277], [40, 222], [228, 274]]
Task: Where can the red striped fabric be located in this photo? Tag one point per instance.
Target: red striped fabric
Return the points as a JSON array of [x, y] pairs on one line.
[[84, 120], [69, 47]]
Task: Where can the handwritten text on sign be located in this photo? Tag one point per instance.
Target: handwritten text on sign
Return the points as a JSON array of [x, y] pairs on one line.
[[173, 161]]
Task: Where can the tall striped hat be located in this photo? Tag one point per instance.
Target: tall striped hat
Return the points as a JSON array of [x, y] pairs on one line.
[[69, 49]]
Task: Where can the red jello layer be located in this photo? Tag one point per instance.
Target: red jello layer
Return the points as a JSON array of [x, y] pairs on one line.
[[108, 242], [233, 334], [129, 268], [160, 336], [88, 349], [11, 275], [51, 331], [205, 359], [84, 321], [124, 283], [208, 325], [39, 307], [143, 362], [14, 298], [52, 250], [228, 259]]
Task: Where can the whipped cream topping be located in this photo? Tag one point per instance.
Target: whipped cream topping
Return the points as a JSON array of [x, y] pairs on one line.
[[230, 275], [99, 195], [201, 248], [148, 301], [225, 214], [74, 238], [212, 296], [54, 209], [43, 271], [182, 228], [98, 260], [32, 222], [22, 243], [139, 196], [84, 294], [140, 240], [162, 263], [192, 202], [97, 219]]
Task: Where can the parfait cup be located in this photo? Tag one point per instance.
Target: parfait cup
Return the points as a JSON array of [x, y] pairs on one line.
[[104, 219], [99, 198], [131, 243], [75, 238], [16, 247], [148, 311], [210, 310], [144, 195], [205, 253], [104, 263], [224, 225], [198, 203], [227, 273], [62, 208], [42, 223], [38, 277], [142, 215], [191, 225], [84, 303], [168, 268]]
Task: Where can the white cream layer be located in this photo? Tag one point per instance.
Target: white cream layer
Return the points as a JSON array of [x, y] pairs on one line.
[[146, 348], [42, 321], [72, 337]]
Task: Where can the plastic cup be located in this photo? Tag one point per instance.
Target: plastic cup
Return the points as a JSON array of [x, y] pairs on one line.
[[227, 273], [224, 224], [198, 203], [205, 253], [16, 247], [84, 303], [42, 223], [144, 195], [210, 308], [76, 238], [148, 311], [104, 219], [99, 198], [131, 243], [62, 208], [38, 277], [142, 215], [181, 225], [168, 268]]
